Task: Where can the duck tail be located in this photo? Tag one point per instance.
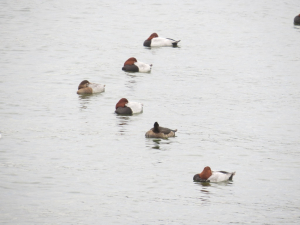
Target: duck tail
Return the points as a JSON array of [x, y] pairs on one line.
[[230, 178], [175, 43]]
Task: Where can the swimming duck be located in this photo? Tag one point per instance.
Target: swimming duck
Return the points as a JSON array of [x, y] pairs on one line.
[[155, 41], [297, 20], [85, 87], [132, 65], [125, 107], [213, 176], [160, 132]]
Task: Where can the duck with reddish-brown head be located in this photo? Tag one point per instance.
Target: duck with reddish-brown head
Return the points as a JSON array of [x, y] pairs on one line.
[[132, 65], [160, 132], [125, 107], [85, 87], [155, 41], [297, 20], [207, 175]]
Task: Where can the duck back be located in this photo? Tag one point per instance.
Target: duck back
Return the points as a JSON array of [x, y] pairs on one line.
[[219, 176], [160, 42], [97, 88], [151, 134], [166, 130], [136, 107], [143, 67]]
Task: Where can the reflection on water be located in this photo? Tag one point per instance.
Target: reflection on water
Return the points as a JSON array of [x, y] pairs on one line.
[[130, 82], [131, 75], [208, 184], [225, 183], [84, 100], [205, 193], [206, 190], [157, 143], [122, 122], [204, 184]]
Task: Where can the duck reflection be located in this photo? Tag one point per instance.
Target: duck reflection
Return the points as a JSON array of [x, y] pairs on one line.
[[122, 122], [208, 184], [205, 193], [204, 184], [130, 82], [84, 100], [157, 143]]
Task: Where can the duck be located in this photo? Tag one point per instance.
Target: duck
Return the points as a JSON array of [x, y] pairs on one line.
[[85, 87], [155, 41], [125, 107], [132, 65], [297, 20], [160, 132], [213, 176]]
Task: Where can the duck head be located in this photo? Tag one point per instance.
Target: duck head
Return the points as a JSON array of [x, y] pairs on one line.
[[121, 103], [83, 84], [130, 61], [206, 173], [156, 126], [152, 36]]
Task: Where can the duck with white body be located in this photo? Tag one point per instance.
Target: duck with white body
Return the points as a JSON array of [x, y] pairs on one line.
[[132, 65], [125, 107], [207, 175], [155, 41]]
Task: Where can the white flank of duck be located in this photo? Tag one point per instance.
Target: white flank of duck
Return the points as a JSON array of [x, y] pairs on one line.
[[161, 42], [143, 67], [155, 41], [136, 107], [85, 87], [219, 176], [97, 88]]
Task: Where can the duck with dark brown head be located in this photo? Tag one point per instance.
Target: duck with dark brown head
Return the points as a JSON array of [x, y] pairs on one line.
[[160, 132]]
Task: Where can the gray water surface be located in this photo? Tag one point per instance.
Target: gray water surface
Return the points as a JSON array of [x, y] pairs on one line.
[[232, 90]]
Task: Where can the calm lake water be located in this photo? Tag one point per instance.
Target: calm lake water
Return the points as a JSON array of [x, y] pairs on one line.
[[232, 90]]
